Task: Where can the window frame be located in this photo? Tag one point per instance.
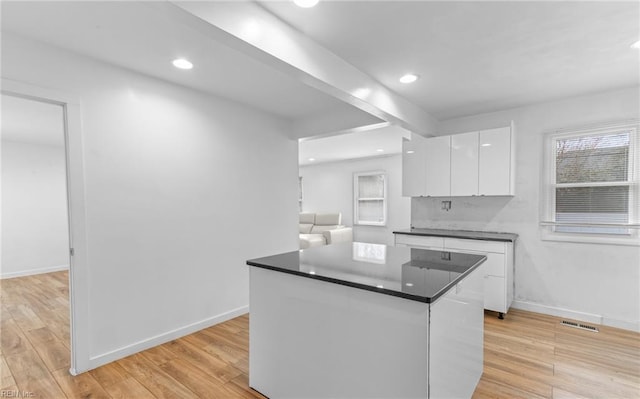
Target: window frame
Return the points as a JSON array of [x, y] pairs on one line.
[[548, 221], [300, 193], [357, 199]]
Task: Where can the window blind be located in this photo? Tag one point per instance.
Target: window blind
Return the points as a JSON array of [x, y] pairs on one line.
[[592, 184]]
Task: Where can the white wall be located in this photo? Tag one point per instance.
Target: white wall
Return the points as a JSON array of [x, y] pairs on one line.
[[35, 236], [328, 187], [592, 282], [181, 189]]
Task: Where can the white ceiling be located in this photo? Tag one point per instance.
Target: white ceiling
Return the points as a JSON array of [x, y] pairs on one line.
[[479, 56], [33, 122], [363, 144], [147, 36], [473, 57]]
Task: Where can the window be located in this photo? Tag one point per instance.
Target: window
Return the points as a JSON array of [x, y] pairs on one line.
[[370, 198], [592, 185]]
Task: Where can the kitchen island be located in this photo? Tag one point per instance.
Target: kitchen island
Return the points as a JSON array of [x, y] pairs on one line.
[[356, 320]]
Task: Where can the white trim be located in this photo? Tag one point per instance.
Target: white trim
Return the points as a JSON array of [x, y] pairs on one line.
[[548, 184], [575, 315], [558, 312], [357, 198], [628, 240], [611, 125], [79, 262], [33, 272], [100, 360], [623, 324]]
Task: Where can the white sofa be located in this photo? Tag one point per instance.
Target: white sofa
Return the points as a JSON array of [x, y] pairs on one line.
[[318, 229]]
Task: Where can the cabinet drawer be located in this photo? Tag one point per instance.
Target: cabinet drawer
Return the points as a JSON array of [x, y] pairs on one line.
[[497, 247], [420, 241], [495, 294], [493, 266]]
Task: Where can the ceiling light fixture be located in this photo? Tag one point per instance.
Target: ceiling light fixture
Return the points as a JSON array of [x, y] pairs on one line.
[[306, 3], [408, 78], [636, 45], [410, 152], [311, 159], [181, 63], [380, 150]]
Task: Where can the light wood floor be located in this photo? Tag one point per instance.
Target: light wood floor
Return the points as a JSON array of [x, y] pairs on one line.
[[527, 355]]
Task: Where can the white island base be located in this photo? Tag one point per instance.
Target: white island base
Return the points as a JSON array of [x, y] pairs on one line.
[[317, 339]]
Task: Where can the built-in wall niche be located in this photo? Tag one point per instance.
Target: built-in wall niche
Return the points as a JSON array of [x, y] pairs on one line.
[[478, 163]]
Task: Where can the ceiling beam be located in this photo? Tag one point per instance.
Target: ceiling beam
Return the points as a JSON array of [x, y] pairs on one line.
[[249, 28]]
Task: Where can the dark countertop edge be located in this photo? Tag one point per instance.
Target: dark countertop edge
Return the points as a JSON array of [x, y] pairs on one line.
[[462, 234], [417, 298]]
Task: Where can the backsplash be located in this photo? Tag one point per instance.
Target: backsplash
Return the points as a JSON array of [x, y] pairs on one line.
[[466, 213]]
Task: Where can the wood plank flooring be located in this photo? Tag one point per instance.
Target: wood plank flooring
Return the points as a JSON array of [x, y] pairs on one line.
[[527, 355]]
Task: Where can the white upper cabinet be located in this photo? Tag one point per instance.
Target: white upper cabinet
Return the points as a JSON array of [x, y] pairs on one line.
[[495, 168], [413, 166], [460, 165], [464, 164], [438, 164]]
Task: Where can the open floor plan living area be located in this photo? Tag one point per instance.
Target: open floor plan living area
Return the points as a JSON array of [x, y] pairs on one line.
[[314, 199]]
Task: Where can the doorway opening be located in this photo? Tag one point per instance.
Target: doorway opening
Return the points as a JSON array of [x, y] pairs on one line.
[[35, 227], [42, 276]]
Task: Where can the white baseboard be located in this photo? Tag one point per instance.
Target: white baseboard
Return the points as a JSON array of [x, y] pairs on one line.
[[32, 272], [575, 315], [558, 312], [139, 346], [623, 324]]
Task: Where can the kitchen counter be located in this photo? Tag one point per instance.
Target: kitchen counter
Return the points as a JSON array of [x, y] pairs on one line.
[[416, 274], [466, 234], [365, 320], [499, 269]]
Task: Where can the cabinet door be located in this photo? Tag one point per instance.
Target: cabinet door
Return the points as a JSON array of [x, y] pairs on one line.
[[495, 295], [438, 164], [494, 163], [464, 164], [413, 166], [456, 340]]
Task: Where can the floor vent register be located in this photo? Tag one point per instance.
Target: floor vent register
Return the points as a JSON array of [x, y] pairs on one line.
[[579, 325]]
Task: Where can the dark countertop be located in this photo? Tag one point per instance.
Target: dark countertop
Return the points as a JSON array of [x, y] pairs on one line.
[[416, 274], [465, 234]]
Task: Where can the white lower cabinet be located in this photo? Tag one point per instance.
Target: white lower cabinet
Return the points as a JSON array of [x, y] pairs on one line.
[[497, 270], [494, 294]]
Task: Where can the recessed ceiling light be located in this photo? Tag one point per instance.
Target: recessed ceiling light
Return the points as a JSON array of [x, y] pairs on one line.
[[311, 159], [306, 3], [380, 150], [636, 45], [408, 78], [182, 63], [409, 284], [410, 152]]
